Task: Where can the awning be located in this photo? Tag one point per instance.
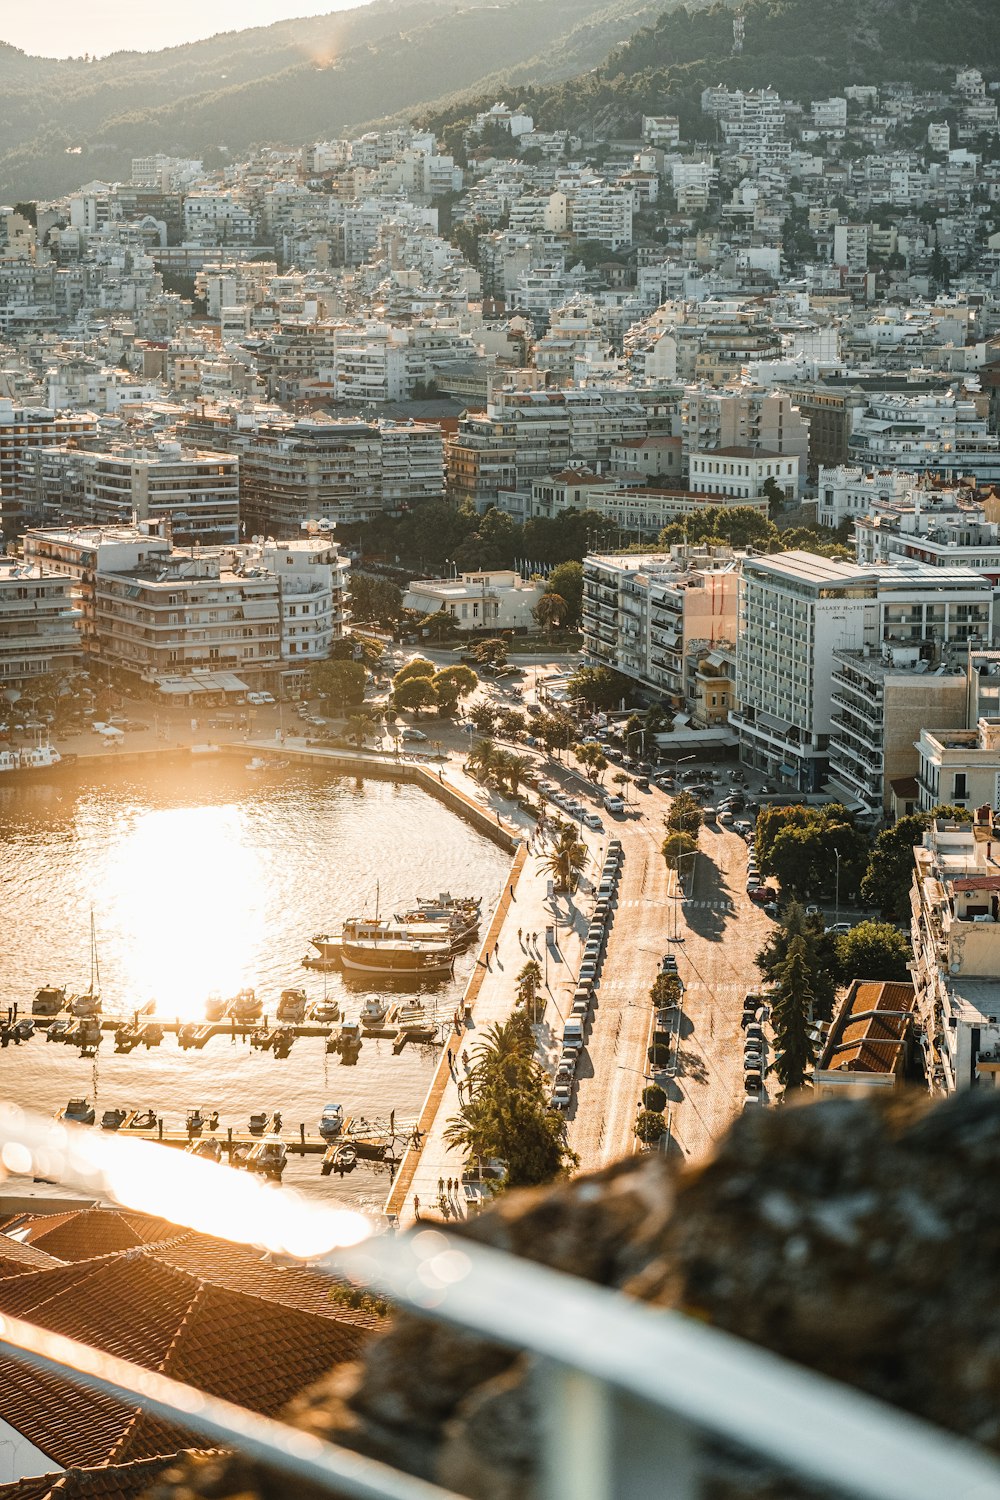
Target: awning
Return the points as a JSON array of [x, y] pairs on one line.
[[260, 609], [200, 682]]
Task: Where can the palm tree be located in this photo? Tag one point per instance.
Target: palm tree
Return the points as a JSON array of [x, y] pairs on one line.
[[359, 727], [481, 758], [567, 860], [550, 611]]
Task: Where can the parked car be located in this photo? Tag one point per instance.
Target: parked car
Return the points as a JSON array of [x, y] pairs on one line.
[[614, 805], [409, 733], [838, 929], [258, 698]]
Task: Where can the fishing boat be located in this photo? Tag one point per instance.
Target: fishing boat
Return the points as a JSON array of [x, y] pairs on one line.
[[269, 1156], [246, 1006], [195, 1122], [331, 1121], [113, 1118], [89, 1003], [345, 1158], [460, 914], [325, 1010], [49, 1000], [215, 1007], [40, 757], [292, 1006], [210, 1149], [144, 1119], [80, 1110], [373, 1012], [370, 946]]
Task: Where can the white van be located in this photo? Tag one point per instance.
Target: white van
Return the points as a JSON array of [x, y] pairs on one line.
[[614, 804]]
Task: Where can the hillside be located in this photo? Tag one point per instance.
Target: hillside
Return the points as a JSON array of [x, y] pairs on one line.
[[805, 50], [64, 122]]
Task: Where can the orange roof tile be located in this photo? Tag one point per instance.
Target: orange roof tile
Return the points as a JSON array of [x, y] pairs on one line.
[[87, 1232], [16, 1258]]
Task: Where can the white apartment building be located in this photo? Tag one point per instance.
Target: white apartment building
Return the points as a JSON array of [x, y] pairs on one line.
[[799, 614], [496, 600], [955, 929], [38, 624], [850, 246], [196, 490], [846, 492], [218, 217], [959, 767], [602, 213], [661, 130], [655, 617], [379, 362], [942, 432], [740, 473]]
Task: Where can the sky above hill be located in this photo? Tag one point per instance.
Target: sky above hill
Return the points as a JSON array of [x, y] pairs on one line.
[[67, 28]]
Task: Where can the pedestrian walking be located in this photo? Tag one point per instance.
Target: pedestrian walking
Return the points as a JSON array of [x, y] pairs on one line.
[[440, 1184], [416, 1206], [519, 937], [451, 1065], [465, 1058]]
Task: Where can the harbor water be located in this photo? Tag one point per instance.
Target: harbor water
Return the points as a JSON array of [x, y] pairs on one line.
[[209, 877]]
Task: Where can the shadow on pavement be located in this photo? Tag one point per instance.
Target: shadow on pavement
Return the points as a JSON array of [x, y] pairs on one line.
[[709, 886], [691, 1065]]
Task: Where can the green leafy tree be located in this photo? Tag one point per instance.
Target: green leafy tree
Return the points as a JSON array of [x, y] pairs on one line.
[[566, 581], [677, 847], [685, 815], [414, 694], [418, 667], [483, 717], [359, 727], [451, 684], [738, 525], [654, 1098], [510, 723], [800, 845], [650, 1126], [529, 982], [791, 1018], [887, 880], [340, 683], [666, 990], [375, 599], [555, 731], [439, 625], [874, 950], [600, 687], [481, 758], [491, 652]]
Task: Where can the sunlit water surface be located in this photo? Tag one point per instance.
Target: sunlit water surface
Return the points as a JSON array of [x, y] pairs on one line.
[[209, 878]]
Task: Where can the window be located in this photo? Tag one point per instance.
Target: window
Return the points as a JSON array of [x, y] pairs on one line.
[[961, 789]]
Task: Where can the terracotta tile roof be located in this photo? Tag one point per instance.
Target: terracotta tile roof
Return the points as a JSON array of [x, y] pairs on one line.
[[862, 1039], [243, 1270], [976, 883], [87, 1232], [248, 1348], [16, 1259], [108, 1482]]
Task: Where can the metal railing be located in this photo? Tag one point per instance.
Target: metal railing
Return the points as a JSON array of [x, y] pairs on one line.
[[630, 1396]]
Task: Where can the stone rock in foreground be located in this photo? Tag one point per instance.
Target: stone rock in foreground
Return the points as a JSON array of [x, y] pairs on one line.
[[860, 1237]]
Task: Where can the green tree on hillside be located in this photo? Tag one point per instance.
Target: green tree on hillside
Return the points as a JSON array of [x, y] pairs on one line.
[[791, 1018]]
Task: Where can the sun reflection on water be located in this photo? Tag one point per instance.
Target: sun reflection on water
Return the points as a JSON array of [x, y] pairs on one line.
[[187, 890]]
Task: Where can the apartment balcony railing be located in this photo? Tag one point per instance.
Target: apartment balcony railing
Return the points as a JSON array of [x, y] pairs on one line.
[[632, 1396]]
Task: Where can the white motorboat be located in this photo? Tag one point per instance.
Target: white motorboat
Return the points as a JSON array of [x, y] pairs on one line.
[[331, 1121]]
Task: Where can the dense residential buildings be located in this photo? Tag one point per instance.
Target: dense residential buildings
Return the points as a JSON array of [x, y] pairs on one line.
[[659, 617], [38, 634], [956, 952], [821, 647]]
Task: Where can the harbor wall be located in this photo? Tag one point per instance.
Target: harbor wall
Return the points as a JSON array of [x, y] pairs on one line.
[[435, 1093]]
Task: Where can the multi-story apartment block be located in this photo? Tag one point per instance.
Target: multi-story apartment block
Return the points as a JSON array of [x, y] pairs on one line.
[[196, 490], [38, 621], [955, 929], [939, 432], [23, 430], [803, 620], [959, 767], [496, 600], [656, 617], [265, 611], [748, 417]]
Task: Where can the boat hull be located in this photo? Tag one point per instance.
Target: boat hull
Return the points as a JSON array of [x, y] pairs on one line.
[[385, 960]]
